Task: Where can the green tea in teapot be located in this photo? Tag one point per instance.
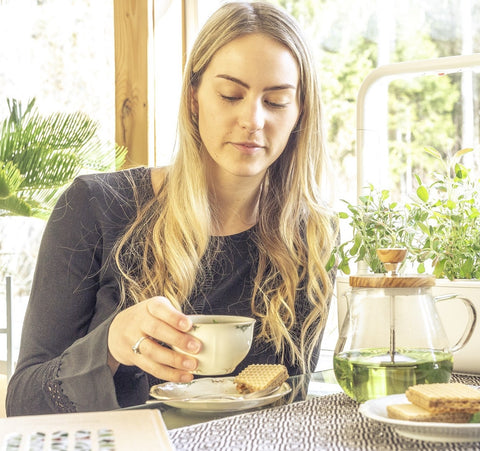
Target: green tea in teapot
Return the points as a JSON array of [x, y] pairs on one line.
[[373, 373], [391, 336]]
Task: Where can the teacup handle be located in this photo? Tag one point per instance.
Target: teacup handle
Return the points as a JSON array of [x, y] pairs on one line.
[[472, 320]]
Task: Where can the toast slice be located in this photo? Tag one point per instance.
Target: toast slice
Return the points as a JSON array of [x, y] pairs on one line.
[[442, 398], [260, 377], [411, 412]]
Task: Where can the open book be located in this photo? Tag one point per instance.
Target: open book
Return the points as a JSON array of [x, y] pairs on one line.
[[118, 430]]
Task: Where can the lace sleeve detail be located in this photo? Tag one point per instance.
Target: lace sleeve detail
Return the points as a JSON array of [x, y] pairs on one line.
[[53, 389]]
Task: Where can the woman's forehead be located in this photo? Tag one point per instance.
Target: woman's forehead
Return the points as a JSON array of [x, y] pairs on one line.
[[256, 56]]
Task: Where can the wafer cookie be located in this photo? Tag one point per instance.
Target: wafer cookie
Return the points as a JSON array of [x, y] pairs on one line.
[[411, 412], [259, 377], [448, 397]]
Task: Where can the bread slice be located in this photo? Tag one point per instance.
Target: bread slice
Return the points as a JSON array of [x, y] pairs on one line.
[[411, 412], [260, 377], [448, 397]]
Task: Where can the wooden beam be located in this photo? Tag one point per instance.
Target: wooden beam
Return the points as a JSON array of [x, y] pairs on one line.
[[132, 24]]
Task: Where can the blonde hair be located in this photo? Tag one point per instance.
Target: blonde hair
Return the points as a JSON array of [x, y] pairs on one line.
[[295, 232]]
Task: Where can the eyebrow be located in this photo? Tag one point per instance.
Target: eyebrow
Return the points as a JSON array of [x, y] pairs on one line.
[[245, 85]]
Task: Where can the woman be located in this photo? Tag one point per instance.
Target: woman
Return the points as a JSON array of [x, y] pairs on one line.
[[235, 226]]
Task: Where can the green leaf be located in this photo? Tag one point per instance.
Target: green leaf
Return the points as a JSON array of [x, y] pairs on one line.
[[462, 152], [434, 152], [331, 262], [424, 228], [438, 269], [344, 267], [451, 204], [10, 179], [422, 193], [357, 242], [461, 172], [467, 268], [474, 213], [13, 205]]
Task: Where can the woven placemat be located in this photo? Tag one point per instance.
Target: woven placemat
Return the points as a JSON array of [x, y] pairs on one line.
[[330, 422]]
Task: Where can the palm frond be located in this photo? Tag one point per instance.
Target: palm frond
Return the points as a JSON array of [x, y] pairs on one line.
[[40, 155], [13, 205], [10, 179]]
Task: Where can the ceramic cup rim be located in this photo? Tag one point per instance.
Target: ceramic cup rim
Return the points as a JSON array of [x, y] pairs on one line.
[[224, 320]]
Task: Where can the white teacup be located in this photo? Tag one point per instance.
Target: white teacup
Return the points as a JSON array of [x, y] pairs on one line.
[[225, 339]]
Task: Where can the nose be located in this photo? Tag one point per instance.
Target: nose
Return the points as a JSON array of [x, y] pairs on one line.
[[252, 116]]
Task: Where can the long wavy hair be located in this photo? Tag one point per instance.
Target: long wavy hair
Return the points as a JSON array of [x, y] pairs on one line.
[[295, 231]]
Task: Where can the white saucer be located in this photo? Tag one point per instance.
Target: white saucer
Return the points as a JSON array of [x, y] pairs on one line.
[[219, 386], [376, 409]]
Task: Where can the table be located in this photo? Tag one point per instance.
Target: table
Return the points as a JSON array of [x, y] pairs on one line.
[[322, 417], [303, 387]]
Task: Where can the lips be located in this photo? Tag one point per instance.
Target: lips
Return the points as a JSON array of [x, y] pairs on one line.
[[247, 146]]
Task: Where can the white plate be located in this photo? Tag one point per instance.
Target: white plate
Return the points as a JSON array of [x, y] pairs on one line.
[[219, 386], [376, 409]]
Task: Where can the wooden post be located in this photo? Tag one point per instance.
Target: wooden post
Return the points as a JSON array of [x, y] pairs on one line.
[[133, 24]]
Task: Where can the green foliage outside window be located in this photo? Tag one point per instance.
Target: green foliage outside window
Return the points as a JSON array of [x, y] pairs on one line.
[[422, 111]]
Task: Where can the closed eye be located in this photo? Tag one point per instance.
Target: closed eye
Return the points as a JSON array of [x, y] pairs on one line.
[[269, 103], [230, 98], [276, 105]]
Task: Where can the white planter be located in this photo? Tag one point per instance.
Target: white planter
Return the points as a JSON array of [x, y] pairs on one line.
[[453, 315]]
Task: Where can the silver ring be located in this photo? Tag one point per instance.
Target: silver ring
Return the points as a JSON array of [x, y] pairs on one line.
[[136, 346]]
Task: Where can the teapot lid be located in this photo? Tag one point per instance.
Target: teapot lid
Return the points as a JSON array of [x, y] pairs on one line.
[[391, 258], [387, 281]]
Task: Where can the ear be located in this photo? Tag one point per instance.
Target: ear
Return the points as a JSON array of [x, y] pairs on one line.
[[193, 101]]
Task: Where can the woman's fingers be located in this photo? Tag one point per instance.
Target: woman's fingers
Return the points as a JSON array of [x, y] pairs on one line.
[[141, 335], [165, 363], [160, 307], [168, 325]]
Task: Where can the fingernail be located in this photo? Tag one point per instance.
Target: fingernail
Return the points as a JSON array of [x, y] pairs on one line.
[[193, 346], [185, 324], [189, 364], [185, 378]]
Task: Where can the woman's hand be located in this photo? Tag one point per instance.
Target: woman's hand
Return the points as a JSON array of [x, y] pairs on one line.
[[155, 319]]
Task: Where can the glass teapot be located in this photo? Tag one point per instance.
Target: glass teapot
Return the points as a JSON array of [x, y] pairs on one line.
[[392, 336]]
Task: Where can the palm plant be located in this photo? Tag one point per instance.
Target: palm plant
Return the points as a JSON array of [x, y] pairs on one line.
[[40, 155]]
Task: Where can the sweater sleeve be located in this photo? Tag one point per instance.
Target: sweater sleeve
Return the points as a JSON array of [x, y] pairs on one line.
[[62, 365]]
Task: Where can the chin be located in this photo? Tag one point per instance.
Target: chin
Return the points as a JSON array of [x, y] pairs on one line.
[[249, 173]]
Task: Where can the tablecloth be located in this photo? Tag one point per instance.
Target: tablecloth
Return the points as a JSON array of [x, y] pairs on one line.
[[330, 422]]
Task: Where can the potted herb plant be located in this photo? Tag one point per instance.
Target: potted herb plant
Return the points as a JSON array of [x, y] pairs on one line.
[[439, 226]]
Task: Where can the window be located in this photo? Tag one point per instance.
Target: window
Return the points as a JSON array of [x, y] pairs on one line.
[[60, 52], [167, 78], [351, 38]]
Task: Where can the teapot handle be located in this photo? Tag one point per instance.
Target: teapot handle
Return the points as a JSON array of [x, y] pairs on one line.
[[472, 320]]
